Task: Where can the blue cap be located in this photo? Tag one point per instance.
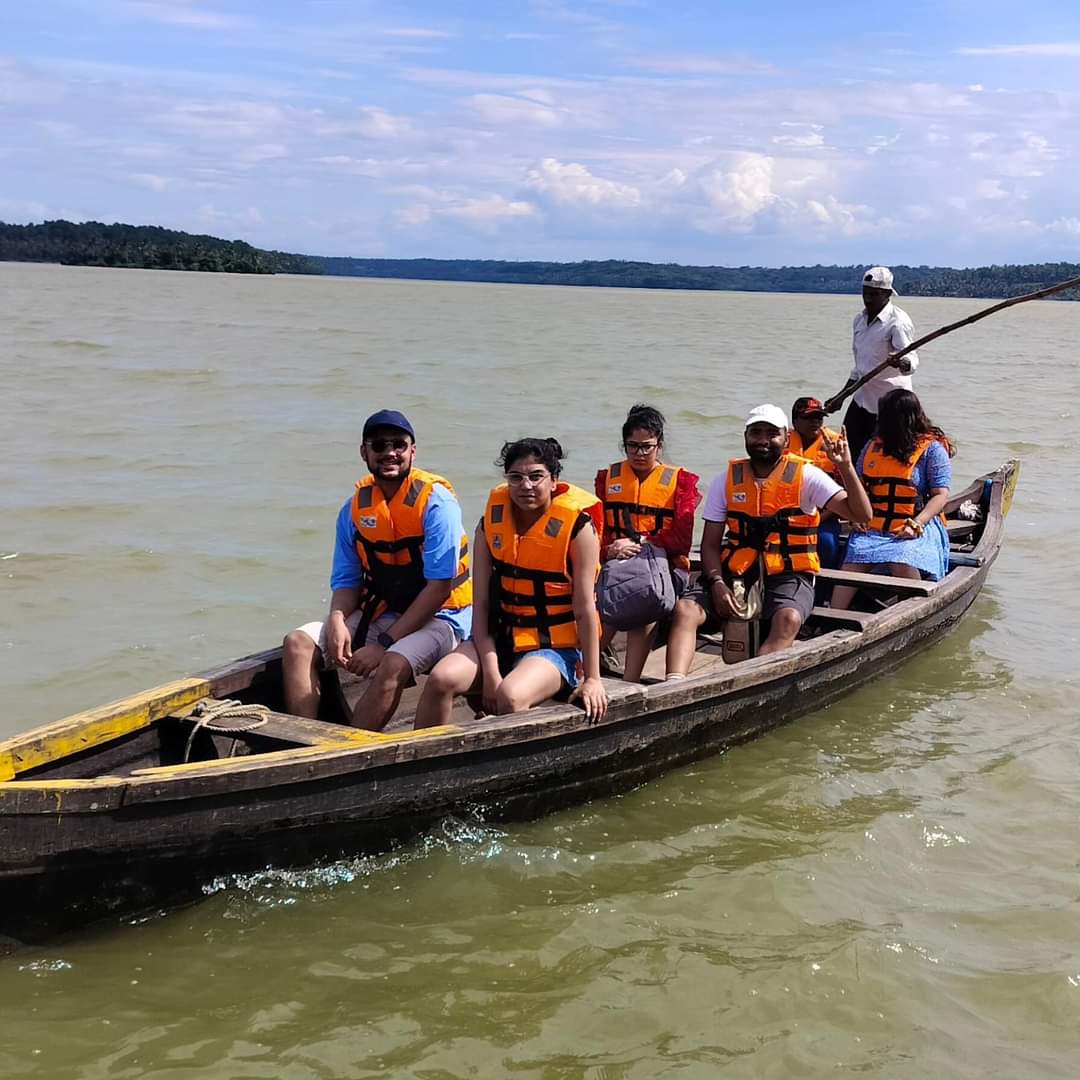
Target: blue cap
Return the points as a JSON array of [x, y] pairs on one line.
[[387, 418]]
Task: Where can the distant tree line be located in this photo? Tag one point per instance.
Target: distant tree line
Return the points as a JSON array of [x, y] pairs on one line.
[[146, 247], [985, 281]]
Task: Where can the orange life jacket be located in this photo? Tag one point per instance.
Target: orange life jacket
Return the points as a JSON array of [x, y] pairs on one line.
[[768, 519], [532, 593], [389, 538], [639, 508], [893, 498], [815, 451]]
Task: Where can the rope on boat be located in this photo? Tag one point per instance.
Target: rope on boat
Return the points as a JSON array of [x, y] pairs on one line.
[[225, 717]]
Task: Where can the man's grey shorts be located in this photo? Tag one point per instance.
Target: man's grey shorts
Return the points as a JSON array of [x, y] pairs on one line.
[[423, 649], [781, 591]]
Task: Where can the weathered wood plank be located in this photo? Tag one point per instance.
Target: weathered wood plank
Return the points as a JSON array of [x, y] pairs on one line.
[[91, 728], [879, 581], [855, 619]]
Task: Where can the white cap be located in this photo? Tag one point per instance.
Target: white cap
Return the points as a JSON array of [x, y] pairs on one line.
[[768, 414], [878, 277]]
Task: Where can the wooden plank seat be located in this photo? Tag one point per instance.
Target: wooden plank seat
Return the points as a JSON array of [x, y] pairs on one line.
[[961, 529], [283, 727], [903, 586], [851, 620]]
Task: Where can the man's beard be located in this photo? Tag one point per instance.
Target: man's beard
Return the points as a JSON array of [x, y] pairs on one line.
[[767, 455]]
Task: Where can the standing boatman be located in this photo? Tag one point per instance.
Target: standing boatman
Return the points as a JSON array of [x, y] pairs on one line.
[[880, 330]]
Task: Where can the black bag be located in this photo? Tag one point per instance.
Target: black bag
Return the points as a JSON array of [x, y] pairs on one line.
[[636, 591]]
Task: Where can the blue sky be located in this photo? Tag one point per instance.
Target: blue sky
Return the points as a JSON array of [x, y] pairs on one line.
[[728, 133]]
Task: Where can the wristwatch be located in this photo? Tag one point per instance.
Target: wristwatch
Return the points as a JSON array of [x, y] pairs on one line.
[[385, 640]]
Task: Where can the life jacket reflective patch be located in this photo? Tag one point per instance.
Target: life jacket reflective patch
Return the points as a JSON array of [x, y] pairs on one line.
[[813, 452], [893, 498], [389, 539], [634, 508], [773, 524], [532, 594]]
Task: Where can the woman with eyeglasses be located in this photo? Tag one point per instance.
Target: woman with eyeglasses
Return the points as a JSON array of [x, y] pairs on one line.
[[535, 627], [646, 500]]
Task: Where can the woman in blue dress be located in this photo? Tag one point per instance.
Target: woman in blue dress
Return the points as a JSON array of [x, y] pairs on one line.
[[907, 474]]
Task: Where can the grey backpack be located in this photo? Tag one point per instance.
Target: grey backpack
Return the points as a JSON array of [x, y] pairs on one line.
[[636, 591]]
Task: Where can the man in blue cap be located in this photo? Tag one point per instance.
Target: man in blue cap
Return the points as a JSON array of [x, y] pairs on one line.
[[401, 595]]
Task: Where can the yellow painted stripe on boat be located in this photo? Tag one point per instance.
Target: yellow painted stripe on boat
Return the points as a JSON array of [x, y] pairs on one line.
[[95, 726], [7, 766], [348, 739]]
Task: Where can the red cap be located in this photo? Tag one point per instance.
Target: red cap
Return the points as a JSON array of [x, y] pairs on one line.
[[807, 405]]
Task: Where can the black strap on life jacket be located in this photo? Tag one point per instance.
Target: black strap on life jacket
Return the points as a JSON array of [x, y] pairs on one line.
[[886, 502], [542, 619], [755, 532]]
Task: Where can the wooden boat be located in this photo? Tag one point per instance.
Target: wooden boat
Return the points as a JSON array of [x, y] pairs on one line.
[[100, 811]]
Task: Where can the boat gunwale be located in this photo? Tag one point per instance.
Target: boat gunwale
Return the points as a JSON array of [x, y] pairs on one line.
[[629, 703]]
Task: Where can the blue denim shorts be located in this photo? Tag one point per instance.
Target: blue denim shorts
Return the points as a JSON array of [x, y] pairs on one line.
[[565, 661]]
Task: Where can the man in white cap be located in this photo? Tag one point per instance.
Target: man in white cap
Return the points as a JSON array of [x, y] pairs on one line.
[[880, 330], [761, 514]]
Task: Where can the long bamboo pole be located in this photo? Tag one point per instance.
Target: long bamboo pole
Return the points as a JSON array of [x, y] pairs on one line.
[[837, 400]]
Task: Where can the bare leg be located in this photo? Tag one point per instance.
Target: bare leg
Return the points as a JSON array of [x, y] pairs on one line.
[[455, 674], [374, 709], [300, 660], [532, 681], [783, 631], [685, 620], [607, 636], [638, 646], [903, 570], [842, 595]]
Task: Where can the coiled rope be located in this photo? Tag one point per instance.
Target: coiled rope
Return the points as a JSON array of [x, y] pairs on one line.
[[225, 717]]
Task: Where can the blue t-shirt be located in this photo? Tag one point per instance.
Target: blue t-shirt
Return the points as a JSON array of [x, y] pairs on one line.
[[442, 545]]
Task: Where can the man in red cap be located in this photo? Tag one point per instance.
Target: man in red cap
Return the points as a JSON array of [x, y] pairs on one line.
[[808, 433]]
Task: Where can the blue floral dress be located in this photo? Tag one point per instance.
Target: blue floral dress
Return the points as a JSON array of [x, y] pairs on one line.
[[928, 553]]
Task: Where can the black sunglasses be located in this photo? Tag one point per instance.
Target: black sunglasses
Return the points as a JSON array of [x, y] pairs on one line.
[[380, 445]]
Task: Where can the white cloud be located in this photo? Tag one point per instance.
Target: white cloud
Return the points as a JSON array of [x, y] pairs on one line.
[[224, 119], [213, 218], [188, 13], [742, 191], [150, 181], [377, 123], [1069, 226], [809, 137], [513, 111], [572, 184], [990, 189], [419, 32], [690, 64], [489, 210], [1051, 48]]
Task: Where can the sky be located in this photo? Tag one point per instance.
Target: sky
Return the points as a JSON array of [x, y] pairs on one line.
[[780, 133]]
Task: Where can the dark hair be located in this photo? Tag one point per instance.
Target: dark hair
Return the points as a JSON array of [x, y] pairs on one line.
[[901, 422], [644, 417], [547, 451]]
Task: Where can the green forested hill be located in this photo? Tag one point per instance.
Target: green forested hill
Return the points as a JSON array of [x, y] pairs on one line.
[[149, 247], [94, 244]]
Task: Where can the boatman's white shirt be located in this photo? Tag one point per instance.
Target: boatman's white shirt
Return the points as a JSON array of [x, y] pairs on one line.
[[889, 331]]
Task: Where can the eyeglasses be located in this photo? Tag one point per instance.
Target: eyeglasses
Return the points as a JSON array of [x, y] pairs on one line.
[[640, 447], [533, 479], [380, 445]]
